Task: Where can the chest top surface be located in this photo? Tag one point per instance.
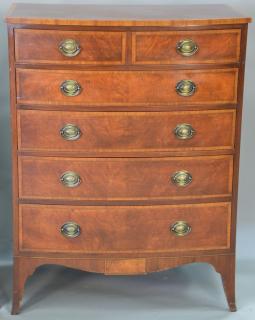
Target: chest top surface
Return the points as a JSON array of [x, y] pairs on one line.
[[122, 15]]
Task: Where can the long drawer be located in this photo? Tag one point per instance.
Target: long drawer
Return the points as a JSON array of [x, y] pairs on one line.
[[126, 131], [127, 88], [124, 229], [125, 178], [69, 47]]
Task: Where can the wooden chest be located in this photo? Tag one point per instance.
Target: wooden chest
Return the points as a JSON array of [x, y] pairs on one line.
[[126, 137]]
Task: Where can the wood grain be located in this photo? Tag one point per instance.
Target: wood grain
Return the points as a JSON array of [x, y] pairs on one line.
[[127, 88], [214, 46], [125, 178], [123, 15], [142, 228], [223, 264], [42, 47], [125, 132], [238, 144]]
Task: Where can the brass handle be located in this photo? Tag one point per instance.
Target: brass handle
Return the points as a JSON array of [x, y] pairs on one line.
[[70, 179], [187, 47], [184, 131], [70, 88], [70, 230], [70, 132], [69, 48], [180, 228], [185, 88], [181, 178]]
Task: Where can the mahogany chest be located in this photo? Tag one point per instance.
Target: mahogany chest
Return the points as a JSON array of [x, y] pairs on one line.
[[126, 136]]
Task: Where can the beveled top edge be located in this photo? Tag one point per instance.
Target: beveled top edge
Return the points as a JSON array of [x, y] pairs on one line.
[[123, 15]]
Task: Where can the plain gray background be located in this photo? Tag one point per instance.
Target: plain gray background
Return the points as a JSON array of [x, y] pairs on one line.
[[187, 292]]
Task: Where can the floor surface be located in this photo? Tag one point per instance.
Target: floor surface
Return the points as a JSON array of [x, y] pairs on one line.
[[189, 292]]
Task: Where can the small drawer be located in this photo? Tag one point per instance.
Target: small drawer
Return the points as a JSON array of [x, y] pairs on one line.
[[127, 88], [186, 47], [127, 229], [125, 132], [69, 47], [125, 178]]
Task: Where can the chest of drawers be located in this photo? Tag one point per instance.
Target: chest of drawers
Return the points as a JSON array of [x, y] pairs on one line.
[[126, 133]]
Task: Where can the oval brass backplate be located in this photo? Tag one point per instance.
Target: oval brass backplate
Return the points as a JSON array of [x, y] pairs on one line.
[[70, 179], [70, 132], [184, 131], [185, 88], [70, 230], [180, 228], [181, 178], [69, 47], [70, 88], [187, 47]]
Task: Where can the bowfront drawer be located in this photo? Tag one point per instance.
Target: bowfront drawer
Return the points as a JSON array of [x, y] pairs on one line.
[[127, 88], [124, 229], [126, 131], [125, 178], [184, 47], [69, 47]]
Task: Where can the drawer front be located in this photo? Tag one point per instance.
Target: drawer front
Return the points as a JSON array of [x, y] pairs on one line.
[[69, 47], [126, 88], [124, 229], [182, 47], [126, 131], [126, 178]]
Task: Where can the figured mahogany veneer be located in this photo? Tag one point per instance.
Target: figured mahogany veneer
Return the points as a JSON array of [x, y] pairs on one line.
[[117, 134], [125, 131], [134, 227], [214, 46], [42, 46], [123, 15], [131, 88], [125, 178]]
